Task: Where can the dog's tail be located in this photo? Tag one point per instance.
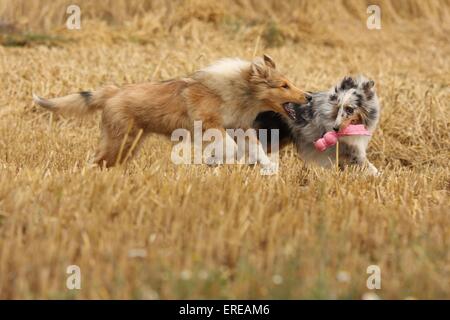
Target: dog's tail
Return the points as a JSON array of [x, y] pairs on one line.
[[80, 103]]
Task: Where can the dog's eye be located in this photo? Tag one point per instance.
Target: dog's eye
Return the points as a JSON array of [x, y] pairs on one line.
[[348, 110], [285, 86]]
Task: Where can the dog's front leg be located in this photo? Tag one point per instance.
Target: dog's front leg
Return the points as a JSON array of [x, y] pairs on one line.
[[257, 154], [358, 157], [372, 169]]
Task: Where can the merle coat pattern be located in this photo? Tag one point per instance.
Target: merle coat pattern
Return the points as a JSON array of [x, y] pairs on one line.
[[352, 101]]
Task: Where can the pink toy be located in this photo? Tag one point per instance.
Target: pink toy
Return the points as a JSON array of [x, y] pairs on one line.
[[330, 138]]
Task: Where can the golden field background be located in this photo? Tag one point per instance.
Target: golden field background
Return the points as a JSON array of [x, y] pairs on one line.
[[156, 230]]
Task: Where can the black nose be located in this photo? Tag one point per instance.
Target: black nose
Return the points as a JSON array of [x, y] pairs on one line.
[[308, 97], [336, 129]]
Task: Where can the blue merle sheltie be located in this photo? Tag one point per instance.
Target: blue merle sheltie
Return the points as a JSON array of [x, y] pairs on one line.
[[351, 101]]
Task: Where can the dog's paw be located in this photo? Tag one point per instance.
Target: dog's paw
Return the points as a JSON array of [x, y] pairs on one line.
[[376, 173], [373, 171], [269, 169]]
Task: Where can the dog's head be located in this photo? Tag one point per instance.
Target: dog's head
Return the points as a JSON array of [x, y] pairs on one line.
[[354, 101], [351, 101], [272, 88]]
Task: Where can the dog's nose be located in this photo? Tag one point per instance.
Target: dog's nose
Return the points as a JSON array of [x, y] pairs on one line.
[[308, 97], [336, 128]]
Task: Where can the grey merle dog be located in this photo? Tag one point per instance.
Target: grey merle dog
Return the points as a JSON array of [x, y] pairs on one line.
[[351, 101]]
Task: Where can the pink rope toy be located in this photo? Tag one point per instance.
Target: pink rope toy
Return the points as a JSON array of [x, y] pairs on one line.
[[330, 138]]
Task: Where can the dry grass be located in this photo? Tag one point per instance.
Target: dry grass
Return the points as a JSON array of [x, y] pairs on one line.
[[223, 232]]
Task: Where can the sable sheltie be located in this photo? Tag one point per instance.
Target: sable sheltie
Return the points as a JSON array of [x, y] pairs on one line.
[[352, 101], [227, 94]]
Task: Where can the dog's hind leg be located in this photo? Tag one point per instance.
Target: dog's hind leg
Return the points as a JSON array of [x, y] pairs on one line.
[[118, 142]]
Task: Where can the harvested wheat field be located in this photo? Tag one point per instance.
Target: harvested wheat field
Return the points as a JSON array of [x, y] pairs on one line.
[[155, 230]]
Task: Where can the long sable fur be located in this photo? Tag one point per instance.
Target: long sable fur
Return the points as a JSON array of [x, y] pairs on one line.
[[227, 94]]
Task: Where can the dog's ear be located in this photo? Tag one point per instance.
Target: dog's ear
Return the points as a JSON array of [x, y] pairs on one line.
[[368, 88], [269, 61], [259, 68], [347, 83], [368, 85]]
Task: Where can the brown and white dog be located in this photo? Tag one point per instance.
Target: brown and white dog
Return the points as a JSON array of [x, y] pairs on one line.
[[227, 94]]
